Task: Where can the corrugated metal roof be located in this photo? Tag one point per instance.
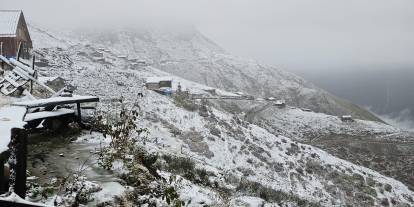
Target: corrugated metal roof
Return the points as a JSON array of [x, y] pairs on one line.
[[9, 19]]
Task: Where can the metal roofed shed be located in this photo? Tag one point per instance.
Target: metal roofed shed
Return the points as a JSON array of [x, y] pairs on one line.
[[155, 83], [280, 103], [347, 118]]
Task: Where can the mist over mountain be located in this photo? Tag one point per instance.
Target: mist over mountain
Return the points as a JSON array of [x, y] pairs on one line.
[[387, 92], [207, 103], [214, 132]]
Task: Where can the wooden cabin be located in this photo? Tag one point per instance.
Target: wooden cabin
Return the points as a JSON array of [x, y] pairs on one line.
[[13, 32]]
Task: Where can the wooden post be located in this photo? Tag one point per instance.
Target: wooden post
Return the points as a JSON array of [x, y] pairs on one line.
[[17, 161], [19, 51], [1, 53], [79, 112], [79, 116], [34, 75], [3, 188]]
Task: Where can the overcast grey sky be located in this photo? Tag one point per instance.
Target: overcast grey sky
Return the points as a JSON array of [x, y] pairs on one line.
[[291, 34]]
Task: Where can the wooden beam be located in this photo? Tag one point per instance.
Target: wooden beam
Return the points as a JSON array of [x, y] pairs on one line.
[[78, 107], [18, 165], [19, 50], [79, 117], [34, 74], [2, 177], [1, 54], [56, 101]]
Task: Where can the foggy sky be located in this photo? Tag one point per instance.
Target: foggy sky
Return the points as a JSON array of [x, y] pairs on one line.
[[291, 34]]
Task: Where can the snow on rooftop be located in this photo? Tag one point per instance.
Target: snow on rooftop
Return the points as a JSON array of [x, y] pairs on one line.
[[10, 117], [54, 100], [9, 20], [46, 114], [280, 102], [157, 79]]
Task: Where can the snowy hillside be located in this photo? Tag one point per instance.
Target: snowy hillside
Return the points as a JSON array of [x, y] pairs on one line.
[[252, 164], [184, 52], [308, 125]]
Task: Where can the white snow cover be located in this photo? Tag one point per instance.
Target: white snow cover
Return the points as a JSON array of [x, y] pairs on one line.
[[10, 117], [13, 197], [109, 190], [232, 150], [227, 156], [54, 100], [46, 79], [157, 79], [294, 122], [9, 20], [46, 114]]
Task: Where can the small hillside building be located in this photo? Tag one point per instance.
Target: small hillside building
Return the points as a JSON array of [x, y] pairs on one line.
[[347, 118], [306, 109], [155, 83], [13, 32], [280, 103]]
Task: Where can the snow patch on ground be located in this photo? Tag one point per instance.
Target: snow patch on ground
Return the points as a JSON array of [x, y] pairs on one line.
[[10, 117]]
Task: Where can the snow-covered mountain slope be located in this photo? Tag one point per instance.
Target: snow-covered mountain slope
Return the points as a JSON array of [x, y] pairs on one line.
[[185, 52], [308, 125], [243, 158], [376, 145]]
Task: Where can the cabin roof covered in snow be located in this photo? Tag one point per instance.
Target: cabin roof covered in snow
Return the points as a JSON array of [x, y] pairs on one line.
[[157, 79], [9, 20]]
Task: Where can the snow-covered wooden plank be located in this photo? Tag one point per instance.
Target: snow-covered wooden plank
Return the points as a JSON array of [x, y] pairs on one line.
[[11, 81], [57, 101], [19, 74], [48, 114], [24, 67], [5, 60], [27, 76], [6, 90]]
